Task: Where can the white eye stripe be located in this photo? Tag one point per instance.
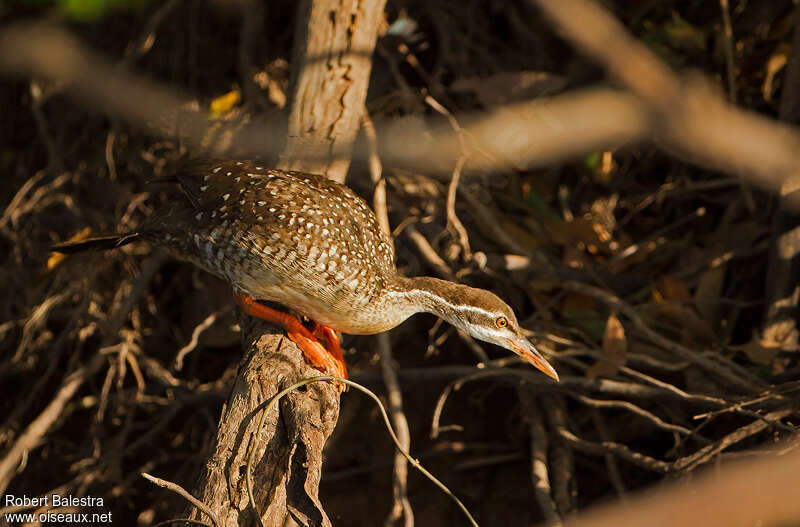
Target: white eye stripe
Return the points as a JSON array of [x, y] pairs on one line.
[[460, 307]]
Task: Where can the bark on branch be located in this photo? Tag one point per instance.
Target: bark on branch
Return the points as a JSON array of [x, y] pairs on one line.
[[287, 465], [331, 64]]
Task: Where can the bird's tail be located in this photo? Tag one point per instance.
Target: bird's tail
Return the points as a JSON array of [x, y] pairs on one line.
[[99, 243]]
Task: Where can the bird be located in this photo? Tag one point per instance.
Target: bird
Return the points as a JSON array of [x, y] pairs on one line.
[[313, 246]]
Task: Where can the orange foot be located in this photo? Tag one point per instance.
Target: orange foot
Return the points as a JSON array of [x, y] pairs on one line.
[[328, 359]]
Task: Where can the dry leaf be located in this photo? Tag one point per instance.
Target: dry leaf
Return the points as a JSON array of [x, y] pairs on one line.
[[671, 288], [615, 349], [224, 103], [775, 64], [668, 295]]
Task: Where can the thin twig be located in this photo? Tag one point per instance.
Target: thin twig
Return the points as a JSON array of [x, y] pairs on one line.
[[198, 330], [35, 431], [177, 489], [703, 455], [401, 507], [623, 307], [452, 218], [618, 449], [627, 405], [376, 174], [415, 463], [429, 254]]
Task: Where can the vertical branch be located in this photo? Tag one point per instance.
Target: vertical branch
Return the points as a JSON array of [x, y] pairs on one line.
[[540, 471], [287, 461], [401, 507], [331, 64]]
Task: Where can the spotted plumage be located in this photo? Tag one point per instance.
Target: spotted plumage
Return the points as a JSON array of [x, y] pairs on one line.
[[276, 235], [310, 244]]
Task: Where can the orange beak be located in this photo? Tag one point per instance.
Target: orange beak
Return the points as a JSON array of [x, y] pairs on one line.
[[525, 349]]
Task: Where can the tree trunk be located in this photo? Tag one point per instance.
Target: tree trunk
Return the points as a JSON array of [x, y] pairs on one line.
[[330, 74], [332, 62]]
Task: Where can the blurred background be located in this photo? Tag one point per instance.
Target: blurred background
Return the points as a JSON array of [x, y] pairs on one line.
[[650, 281]]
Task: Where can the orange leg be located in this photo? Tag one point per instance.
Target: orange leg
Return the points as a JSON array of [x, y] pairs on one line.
[[331, 339], [329, 360]]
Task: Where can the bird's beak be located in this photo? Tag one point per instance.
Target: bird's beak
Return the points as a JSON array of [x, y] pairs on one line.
[[525, 349]]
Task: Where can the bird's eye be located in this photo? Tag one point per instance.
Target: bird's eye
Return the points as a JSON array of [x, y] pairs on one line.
[[501, 322]]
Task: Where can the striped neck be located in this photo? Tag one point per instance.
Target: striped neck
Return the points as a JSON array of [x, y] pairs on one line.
[[448, 300]]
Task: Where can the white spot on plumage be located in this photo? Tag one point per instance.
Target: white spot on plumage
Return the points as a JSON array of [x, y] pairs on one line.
[[217, 170], [226, 196]]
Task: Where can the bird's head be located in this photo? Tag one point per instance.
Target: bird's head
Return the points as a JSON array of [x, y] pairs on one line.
[[486, 317], [483, 315]]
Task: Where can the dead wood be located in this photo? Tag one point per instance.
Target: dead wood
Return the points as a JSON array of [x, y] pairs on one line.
[[287, 465]]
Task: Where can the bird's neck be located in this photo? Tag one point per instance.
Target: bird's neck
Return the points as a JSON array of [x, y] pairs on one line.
[[424, 294]]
